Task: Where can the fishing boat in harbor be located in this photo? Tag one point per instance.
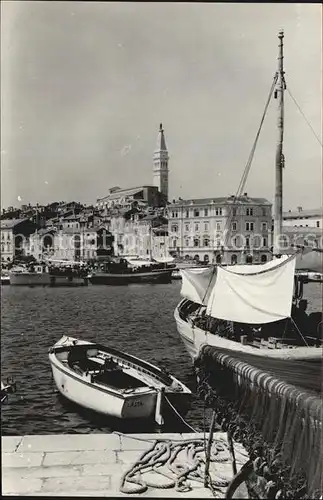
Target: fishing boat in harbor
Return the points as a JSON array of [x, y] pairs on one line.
[[256, 309], [5, 278], [114, 383], [50, 273], [122, 271]]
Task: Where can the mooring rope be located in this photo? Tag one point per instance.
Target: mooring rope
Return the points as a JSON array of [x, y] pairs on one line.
[[165, 454]]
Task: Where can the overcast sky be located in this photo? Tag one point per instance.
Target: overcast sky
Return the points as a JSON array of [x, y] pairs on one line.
[[84, 87]]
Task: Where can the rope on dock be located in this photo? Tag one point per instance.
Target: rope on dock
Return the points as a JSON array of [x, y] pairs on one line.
[[163, 459]]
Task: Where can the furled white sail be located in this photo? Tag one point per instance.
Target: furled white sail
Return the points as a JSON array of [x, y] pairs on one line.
[[253, 293], [197, 283]]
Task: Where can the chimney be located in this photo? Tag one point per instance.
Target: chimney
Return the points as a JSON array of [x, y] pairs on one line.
[[299, 209]]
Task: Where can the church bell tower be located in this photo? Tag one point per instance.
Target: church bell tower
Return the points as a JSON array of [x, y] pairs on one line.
[[160, 172]]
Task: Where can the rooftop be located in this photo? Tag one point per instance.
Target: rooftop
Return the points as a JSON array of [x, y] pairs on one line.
[[11, 223], [301, 214], [227, 200]]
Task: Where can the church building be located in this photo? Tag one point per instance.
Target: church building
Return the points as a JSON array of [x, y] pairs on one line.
[[155, 195]]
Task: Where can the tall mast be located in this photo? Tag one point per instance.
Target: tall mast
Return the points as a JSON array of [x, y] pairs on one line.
[[279, 94]]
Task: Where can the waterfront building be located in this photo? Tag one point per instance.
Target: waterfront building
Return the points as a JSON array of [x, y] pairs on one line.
[[304, 218], [137, 233], [224, 230], [155, 195], [14, 233]]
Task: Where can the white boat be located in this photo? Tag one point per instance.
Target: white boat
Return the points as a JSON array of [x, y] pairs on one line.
[[254, 309], [5, 278], [114, 383], [36, 275], [50, 273], [7, 388]]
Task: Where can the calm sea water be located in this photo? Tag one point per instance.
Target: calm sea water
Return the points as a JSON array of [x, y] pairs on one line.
[[137, 319]]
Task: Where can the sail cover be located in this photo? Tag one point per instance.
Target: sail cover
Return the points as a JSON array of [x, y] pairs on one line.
[[197, 283], [253, 293]]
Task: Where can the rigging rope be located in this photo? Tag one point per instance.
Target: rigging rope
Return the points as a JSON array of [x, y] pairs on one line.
[[244, 176], [303, 115], [253, 149]]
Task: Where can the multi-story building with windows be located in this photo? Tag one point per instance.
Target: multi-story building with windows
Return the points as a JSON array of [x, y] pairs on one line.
[[303, 218], [220, 230]]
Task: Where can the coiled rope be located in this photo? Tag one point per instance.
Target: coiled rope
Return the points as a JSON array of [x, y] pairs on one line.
[[163, 459]]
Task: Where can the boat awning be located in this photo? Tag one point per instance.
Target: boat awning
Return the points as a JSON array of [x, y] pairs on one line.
[[243, 293], [254, 294]]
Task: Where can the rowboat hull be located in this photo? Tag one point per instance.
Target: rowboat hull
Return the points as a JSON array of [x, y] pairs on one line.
[[163, 276], [195, 338], [100, 399], [129, 403]]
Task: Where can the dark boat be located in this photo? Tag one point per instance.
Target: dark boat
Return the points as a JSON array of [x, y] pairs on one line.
[[126, 271]]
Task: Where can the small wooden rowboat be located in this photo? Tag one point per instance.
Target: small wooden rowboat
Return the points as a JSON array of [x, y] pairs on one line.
[[114, 383], [7, 388]]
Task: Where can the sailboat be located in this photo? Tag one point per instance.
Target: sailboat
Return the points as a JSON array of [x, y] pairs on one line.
[[254, 309]]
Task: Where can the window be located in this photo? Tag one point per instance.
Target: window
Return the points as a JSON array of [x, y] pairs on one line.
[[196, 242], [174, 214], [2, 236], [264, 226], [197, 227], [317, 223], [248, 259], [218, 259], [2, 248], [206, 212], [187, 227], [187, 242], [186, 257], [206, 226], [264, 242], [196, 257], [196, 213], [247, 242], [264, 258], [218, 226], [249, 226], [234, 226], [206, 258], [234, 212], [206, 242], [263, 210], [249, 211], [187, 214], [174, 243], [218, 211], [174, 228]]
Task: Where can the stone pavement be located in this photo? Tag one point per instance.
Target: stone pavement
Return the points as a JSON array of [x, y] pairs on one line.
[[88, 464]]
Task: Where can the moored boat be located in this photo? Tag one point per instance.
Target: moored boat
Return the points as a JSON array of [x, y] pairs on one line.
[[5, 278], [114, 383], [126, 271], [50, 273], [7, 388], [255, 309]]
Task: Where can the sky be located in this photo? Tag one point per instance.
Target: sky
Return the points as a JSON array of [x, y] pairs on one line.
[[84, 86]]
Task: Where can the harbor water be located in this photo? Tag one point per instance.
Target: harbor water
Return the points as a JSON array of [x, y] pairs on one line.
[[137, 319]]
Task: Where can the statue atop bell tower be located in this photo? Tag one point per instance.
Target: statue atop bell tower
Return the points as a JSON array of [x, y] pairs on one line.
[[160, 169]]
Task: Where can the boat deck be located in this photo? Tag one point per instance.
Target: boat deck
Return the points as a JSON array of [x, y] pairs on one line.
[[91, 465]]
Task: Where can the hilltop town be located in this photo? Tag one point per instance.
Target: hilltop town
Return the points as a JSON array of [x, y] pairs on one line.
[[143, 221]]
